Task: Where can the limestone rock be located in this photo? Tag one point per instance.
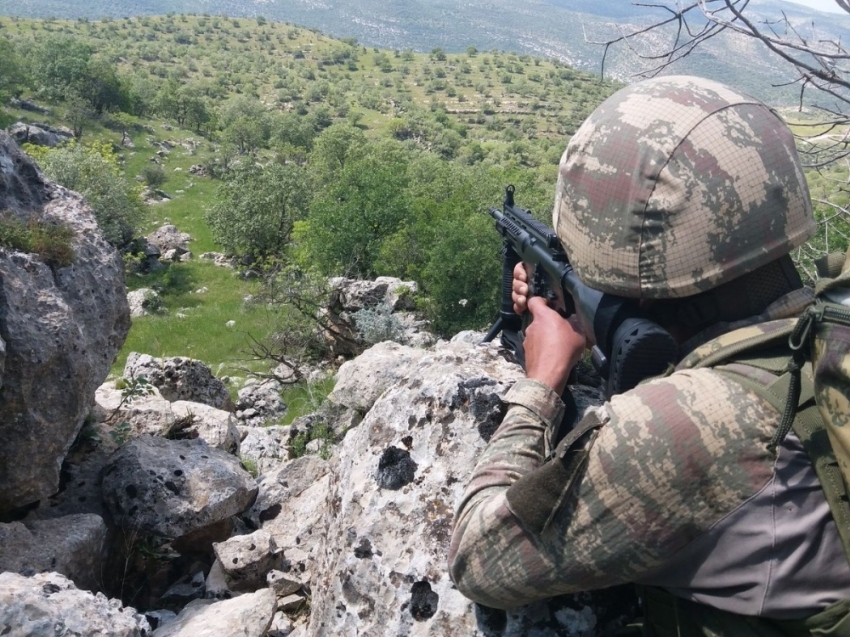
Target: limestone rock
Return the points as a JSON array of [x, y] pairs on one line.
[[180, 378], [267, 447], [168, 237], [290, 503], [244, 616], [152, 414], [282, 584], [216, 586], [144, 302], [361, 381], [385, 548], [48, 604], [173, 487], [72, 545], [40, 135], [80, 491], [263, 400], [247, 559], [61, 330]]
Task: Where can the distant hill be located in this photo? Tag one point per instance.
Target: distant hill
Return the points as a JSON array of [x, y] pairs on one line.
[[547, 28]]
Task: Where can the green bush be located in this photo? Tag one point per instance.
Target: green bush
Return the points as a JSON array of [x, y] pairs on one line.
[[50, 241], [153, 175]]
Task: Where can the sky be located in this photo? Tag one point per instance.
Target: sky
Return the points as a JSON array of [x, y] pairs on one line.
[[822, 5]]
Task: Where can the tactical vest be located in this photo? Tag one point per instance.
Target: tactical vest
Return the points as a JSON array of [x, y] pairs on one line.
[[809, 363]]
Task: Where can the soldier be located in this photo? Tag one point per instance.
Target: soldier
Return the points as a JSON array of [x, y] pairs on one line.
[[687, 195]]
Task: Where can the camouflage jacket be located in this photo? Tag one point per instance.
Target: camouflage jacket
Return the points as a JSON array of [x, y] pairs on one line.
[[679, 491]]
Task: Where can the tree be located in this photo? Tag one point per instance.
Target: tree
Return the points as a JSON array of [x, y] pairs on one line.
[[334, 148], [363, 205], [257, 209], [101, 86], [245, 123], [59, 64], [11, 71]]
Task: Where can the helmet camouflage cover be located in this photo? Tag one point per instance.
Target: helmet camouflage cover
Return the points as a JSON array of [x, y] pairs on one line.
[[676, 185]]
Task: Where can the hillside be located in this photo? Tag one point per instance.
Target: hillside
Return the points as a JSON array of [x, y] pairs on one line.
[[451, 130], [556, 29]]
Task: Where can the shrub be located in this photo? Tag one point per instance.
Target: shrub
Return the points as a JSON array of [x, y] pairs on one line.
[[378, 324], [50, 241], [153, 175]]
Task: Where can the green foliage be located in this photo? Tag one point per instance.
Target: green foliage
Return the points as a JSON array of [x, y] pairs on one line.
[[364, 204], [245, 123], [250, 465], [92, 170], [59, 63], [12, 76], [258, 207], [153, 175], [50, 241], [319, 432]]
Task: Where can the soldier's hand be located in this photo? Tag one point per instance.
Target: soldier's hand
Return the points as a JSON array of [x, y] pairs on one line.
[[519, 289], [553, 345]]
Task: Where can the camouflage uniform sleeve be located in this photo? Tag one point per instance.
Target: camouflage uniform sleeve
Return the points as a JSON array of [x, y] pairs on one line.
[[674, 456]]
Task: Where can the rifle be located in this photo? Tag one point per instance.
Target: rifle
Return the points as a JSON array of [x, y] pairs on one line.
[[628, 347]]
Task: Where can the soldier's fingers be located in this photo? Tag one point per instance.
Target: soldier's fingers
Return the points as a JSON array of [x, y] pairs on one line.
[[519, 273]]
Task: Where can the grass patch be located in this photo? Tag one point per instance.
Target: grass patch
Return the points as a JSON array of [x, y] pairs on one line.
[[305, 398], [50, 241], [196, 324]]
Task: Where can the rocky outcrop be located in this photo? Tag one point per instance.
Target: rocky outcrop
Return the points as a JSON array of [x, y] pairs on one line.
[[260, 403], [265, 447], [144, 302], [248, 559], [168, 237], [48, 605], [180, 378], [152, 414], [60, 330], [173, 487], [394, 483], [360, 382], [366, 312], [290, 503], [40, 134]]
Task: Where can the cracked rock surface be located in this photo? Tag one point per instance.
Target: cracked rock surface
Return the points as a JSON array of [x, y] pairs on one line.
[[173, 487]]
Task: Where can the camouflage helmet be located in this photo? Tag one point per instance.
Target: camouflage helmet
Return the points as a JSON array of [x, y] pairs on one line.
[[676, 185]]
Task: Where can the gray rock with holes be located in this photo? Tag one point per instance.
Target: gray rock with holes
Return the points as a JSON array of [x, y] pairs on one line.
[[246, 559], [48, 605], [173, 487], [62, 326]]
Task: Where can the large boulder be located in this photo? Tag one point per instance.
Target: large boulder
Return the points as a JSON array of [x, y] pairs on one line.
[[173, 487], [39, 134], [49, 605], [73, 545], [381, 565], [180, 378], [153, 415], [245, 616], [60, 330]]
